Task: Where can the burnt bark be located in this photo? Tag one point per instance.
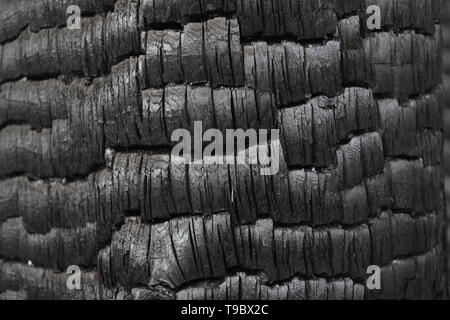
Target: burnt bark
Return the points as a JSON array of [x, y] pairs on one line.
[[87, 176]]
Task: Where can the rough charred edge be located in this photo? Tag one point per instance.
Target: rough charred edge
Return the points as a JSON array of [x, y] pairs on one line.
[[417, 277], [179, 107], [413, 187], [252, 287], [161, 187], [90, 52], [274, 71], [420, 16], [148, 118], [311, 19], [215, 49], [301, 20], [49, 153], [37, 103], [74, 206], [18, 15], [166, 67], [39, 283], [257, 18], [291, 71], [82, 132], [414, 128], [209, 247], [58, 249], [395, 65], [145, 293], [310, 133]]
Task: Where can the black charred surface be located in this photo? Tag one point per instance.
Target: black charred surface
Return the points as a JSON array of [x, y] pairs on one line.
[[87, 177]]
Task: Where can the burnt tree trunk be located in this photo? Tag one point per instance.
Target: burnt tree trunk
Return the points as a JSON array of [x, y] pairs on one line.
[[87, 178]]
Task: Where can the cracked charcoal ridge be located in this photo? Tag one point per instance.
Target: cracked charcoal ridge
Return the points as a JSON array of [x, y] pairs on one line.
[[87, 178]]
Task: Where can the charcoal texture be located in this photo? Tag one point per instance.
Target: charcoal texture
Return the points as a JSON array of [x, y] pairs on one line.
[[87, 176]]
